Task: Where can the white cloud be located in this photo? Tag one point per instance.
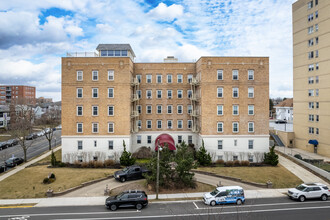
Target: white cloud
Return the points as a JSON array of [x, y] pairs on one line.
[[166, 13]]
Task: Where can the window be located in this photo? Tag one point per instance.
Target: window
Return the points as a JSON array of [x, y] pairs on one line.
[[316, 40], [316, 53], [95, 92], [117, 53], [180, 93], [310, 130], [159, 94], [310, 117], [316, 14], [139, 108], [311, 105], [169, 109], [179, 78], [159, 124], [250, 144], [250, 158], [311, 55], [169, 78], [310, 67], [138, 78], [169, 94], [149, 94], [79, 110], [317, 66], [159, 109], [111, 75], [310, 30], [310, 17], [179, 109], [179, 139], [169, 124], [149, 139], [80, 158], [159, 78], [310, 92], [316, 2], [189, 124], [235, 74], [189, 109], [220, 127], [95, 127], [180, 124], [235, 157], [251, 110], [111, 110], [317, 131], [95, 110], [139, 124], [235, 110], [316, 92], [138, 139], [235, 127], [219, 109], [189, 139], [316, 27], [317, 104], [310, 42], [250, 74], [95, 75], [189, 77], [251, 127], [79, 127], [79, 75], [149, 124], [220, 92], [310, 4], [251, 92], [149, 109], [139, 93], [79, 92], [220, 144], [80, 145], [316, 79], [149, 78], [235, 92], [111, 127], [220, 74], [110, 145]]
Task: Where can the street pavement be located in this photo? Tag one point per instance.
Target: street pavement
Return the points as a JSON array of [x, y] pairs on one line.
[[254, 209]]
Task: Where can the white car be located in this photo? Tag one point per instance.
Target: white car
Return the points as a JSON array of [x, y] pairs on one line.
[[225, 195], [309, 191]]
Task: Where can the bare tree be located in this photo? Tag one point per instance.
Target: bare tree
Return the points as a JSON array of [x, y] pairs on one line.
[[49, 121], [241, 156], [21, 127], [3, 156]]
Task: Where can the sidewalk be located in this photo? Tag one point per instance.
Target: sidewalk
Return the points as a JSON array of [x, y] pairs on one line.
[[305, 154], [91, 201], [21, 167]]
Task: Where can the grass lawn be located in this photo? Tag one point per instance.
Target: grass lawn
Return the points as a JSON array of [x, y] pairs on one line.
[[28, 182], [58, 155], [141, 185], [279, 176]]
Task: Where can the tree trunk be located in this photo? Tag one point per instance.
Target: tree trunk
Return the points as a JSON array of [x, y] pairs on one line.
[[24, 150], [50, 144]]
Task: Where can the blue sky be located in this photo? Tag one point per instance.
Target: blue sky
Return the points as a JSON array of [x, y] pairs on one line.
[[34, 35]]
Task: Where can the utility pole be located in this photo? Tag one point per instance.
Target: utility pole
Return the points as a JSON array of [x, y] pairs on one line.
[[157, 179]]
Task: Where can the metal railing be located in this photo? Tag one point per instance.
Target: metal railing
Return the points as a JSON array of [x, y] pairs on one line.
[[82, 54]]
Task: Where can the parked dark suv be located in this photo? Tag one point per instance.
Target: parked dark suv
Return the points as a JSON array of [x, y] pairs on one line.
[[11, 162], [137, 199]]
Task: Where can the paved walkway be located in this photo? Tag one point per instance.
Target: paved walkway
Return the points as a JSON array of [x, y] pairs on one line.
[[299, 171], [305, 154], [23, 166]]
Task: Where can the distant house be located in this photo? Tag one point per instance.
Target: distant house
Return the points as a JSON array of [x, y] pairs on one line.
[[4, 116], [284, 110]]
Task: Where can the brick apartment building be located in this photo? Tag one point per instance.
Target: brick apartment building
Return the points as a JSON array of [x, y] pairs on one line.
[[108, 98], [13, 93], [311, 75]]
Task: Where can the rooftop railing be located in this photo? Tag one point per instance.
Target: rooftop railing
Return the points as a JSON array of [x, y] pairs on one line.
[[82, 54]]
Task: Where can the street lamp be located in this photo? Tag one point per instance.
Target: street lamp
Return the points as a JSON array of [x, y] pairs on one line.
[[157, 180]]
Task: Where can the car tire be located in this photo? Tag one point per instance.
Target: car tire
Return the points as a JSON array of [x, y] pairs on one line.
[[212, 203], [122, 179], [302, 198], [113, 207], [239, 202], [139, 206], [324, 197]]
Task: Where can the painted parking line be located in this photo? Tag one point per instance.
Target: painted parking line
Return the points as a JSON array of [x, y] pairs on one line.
[[16, 206], [258, 205]]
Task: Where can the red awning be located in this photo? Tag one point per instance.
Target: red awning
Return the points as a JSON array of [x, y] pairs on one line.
[[165, 138]]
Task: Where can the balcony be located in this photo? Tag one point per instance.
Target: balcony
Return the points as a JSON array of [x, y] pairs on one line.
[[194, 82], [135, 98], [82, 54], [135, 82], [194, 97], [134, 114], [194, 113]]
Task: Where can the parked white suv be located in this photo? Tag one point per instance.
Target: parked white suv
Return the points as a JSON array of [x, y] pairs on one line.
[[309, 191]]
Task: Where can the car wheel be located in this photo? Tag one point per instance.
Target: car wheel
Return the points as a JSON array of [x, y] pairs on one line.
[[122, 179], [139, 206], [302, 198], [113, 207], [239, 202], [324, 197], [212, 203]]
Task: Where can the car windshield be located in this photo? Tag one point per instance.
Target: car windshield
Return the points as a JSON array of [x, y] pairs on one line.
[[301, 187], [125, 169], [9, 160], [214, 192], [119, 195]]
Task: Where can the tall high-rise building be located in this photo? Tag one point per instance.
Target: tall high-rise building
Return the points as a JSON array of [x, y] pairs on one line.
[[107, 98], [311, 75]]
